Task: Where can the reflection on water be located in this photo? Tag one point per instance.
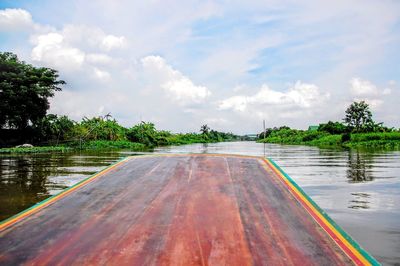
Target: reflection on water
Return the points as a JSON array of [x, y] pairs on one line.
[[360, 190], [28, 179], [360, 165], [360, 201]]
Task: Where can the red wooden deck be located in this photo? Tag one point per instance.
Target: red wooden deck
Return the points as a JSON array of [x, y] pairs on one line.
[[173, 210]]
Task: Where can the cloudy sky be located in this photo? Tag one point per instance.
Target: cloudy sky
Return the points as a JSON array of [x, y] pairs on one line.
[[230, 64]]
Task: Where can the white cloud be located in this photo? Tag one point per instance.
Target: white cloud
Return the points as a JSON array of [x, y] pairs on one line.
[[182, 90], [110, 42], [101, 74], [66, 49], [300, 95], [361, 87], [373, 103], [365, 90], [237, 103], [106, 64], [92, 38], [386, 91], [178, 87], [74, 46], [97, 58], [15, 19], [301, 101], [51, 49]]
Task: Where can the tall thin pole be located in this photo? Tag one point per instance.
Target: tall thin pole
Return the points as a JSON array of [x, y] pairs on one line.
[[264, 127], [264, 136]]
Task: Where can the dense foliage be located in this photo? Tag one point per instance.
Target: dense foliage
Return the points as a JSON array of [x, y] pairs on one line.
[[333, 128], [99, 128], [359, 117], [147, 134], [24, 91], [105, 132], [359, 131], [53, 128]]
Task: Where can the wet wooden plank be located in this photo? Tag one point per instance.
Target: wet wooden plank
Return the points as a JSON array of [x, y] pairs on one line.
[[174, 210]]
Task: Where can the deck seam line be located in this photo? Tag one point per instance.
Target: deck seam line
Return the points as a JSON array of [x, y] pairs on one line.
[[201, 249], [271, 227], [237, 206], [148, 207]]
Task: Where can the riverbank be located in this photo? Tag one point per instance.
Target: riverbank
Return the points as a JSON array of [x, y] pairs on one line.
[[177, 139], [35, 149], [387, 140], [88, 145]]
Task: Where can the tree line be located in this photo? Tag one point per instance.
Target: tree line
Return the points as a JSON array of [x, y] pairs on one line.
[[358, 129], [358, 119], [25, 91]]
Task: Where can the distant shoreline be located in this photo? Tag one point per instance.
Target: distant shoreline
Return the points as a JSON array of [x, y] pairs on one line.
[[386, 140], [96, 145]]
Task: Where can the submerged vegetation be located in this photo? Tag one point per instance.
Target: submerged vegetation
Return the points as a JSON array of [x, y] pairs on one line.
[[358, 130]]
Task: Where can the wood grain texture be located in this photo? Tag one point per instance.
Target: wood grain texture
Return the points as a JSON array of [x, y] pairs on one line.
[[174, 210]]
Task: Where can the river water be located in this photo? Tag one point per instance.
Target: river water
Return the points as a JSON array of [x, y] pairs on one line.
[[359, 189]]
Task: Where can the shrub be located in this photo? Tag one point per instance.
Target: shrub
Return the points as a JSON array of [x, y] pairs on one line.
[[329, 140], [360, 137], [312, 135], [333, 128], [98, 128], [108, 144], [346, 137], [144, 132]]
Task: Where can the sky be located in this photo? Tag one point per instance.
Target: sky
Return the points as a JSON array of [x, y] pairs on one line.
[[228, 64]]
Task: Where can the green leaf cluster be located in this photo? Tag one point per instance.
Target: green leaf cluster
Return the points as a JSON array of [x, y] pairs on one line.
[[24, 91], [99, 128], [146, 133]]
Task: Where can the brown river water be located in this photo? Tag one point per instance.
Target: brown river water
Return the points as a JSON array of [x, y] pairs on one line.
[[359, 189]]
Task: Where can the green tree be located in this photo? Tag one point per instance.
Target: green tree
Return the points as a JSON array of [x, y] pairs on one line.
[[333, 127], [100, 128], [204, 129], [53, 127], [358, 116], [24, 91], [144, 133]]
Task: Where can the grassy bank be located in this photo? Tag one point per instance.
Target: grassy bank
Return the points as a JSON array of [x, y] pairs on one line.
[[89, 145], [324, 139], [35, 149], [100, 133], [170, 139], [375, 140], [108, 144]]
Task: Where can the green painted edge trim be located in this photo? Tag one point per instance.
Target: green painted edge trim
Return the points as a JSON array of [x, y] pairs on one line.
[[61, 192], [366, 255]]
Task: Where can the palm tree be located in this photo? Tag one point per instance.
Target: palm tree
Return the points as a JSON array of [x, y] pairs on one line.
[[204, 129]]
